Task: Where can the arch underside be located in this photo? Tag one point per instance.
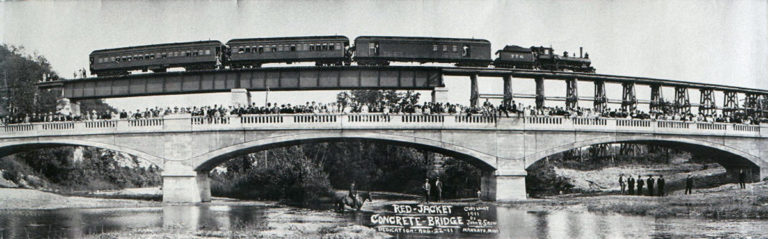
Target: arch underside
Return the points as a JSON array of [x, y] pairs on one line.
[[207, 161], [10, 148], [727, 156]]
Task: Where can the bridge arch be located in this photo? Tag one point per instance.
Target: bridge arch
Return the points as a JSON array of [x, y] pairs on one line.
[[8, 148], [209, 160], [692, 145]]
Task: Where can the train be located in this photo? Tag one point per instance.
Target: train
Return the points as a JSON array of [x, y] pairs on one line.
[[331, 50]]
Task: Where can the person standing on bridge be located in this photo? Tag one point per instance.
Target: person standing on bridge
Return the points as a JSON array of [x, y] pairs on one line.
[[688, 184], [621, 183], [640, 183], [660, 185], [631, 183], [650, 182], [426, 187]]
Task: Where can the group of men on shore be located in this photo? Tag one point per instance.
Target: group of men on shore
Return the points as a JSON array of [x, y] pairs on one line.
[[632, 186]]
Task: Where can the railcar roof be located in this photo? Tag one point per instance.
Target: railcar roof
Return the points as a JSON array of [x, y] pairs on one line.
[[330, 37], [423, 38], [158, 45]]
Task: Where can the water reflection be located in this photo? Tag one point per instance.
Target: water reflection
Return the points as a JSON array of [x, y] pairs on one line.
[[512, 222]]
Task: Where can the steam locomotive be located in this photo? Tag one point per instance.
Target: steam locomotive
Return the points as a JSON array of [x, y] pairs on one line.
[[326, 51]]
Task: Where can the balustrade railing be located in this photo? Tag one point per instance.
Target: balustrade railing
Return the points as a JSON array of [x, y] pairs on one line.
[[423, 118], [369, 118], [748, 128], [198, 120], [633, 123], [19, 127], [479, 119], [673, 124], [58, 126], [145, 122], [711, 126], [101, 124], [261, 119], [543, 120], [589, 121], [315, 118], [395, 120]]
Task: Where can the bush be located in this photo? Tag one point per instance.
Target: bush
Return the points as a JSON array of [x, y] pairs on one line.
[[294, 180]]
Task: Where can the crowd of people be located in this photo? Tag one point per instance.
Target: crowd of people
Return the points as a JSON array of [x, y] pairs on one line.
[[486, 109], [632, 186], [655, 187]]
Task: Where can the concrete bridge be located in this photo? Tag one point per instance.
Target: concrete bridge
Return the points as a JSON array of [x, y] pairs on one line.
[[187, 148]]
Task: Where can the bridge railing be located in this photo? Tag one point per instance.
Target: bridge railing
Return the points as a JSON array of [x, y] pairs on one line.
[[381, 121]]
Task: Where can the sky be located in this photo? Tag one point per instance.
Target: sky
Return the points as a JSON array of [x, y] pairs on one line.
[[708, 41]]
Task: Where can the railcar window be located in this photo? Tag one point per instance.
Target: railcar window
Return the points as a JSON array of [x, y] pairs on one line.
[[274, 48], [247, 50], [208, 52], [261, 49], [445, 47], [331, 47], [293, 47], [112, 58], [325, 47], [240, 50], [434, 47], [338, 46], [311, 47], [164, 55], [306, 47], [455, 48], [200, 52]]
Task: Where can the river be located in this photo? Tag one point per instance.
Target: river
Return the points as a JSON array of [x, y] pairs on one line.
[[511, 222]]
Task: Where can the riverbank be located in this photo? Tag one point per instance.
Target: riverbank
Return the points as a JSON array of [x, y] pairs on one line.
[[723, 202], [16, 198]]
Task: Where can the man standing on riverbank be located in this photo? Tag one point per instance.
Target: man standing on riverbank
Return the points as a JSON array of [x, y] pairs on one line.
[[631, 183], [650, 185], [742, 179], [426, 188], [688, 184], [621, 183], [640, 183], [660, 183], [439, 188]]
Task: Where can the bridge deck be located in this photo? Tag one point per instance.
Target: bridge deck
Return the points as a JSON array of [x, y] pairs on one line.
[[323, 78]]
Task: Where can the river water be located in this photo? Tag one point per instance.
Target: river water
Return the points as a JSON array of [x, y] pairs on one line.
[[510, 222]]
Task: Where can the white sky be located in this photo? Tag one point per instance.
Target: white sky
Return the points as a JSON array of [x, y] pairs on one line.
[[710, 41]]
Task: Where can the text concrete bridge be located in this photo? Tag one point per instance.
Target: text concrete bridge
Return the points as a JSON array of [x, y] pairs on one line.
[[187, 148]]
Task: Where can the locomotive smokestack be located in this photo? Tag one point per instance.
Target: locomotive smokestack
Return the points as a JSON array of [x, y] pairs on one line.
[[581, 51]]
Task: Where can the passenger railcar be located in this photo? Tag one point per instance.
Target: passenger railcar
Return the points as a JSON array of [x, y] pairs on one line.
[[381, 50], [323, 50], [199, 55]]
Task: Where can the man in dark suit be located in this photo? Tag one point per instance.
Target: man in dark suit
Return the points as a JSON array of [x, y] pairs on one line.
[[640, 183], [631, 184], [688, 184], [742, 179], [660, 183], [650, 182], [427, 188]]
